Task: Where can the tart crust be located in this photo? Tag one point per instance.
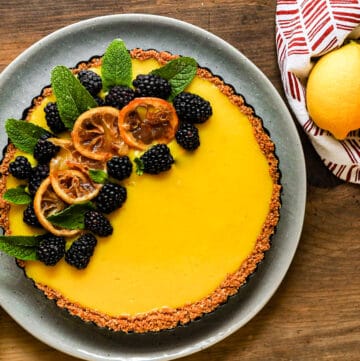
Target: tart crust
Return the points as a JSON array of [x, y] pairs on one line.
[[167, 318]]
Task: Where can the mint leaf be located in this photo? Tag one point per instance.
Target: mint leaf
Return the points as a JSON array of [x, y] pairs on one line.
[[71, 217], [71, 96], [21, 247], [98, 176], [116, 65], [139, 166], [17, 195], [24, 241], [23, 134], [19, 252], [179, 73]]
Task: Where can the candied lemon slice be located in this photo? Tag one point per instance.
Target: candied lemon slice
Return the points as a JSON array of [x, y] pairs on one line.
[[147, 120], [69, 158], [96, 134], [46, 203], [73, 186]]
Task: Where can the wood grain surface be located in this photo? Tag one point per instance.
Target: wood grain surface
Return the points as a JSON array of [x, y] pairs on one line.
[[315, 314]]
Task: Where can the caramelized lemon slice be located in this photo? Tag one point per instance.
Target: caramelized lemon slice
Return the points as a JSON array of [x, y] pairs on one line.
[[69, 158], [96, 134], [69, 174], [73, 186], [147, 120], [46, 203]]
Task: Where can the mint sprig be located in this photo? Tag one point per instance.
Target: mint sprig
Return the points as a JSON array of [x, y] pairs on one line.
[[20, 247], [116, 65], [17, 195], [179, 73], [71, 217], [71, 96], [23, 134]]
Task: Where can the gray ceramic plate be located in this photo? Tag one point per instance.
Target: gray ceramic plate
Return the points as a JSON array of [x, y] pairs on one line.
[[25, 77]]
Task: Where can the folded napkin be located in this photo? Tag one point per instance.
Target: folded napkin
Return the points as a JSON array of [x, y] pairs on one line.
[[311, 28]]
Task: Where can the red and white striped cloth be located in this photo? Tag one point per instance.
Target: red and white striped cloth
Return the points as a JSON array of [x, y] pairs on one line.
[[306, 29]]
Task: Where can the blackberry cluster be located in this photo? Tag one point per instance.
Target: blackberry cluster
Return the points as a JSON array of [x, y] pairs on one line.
[[20, 168], [50, 249], [81, 250], [111, 196], [156, 160], [45, 150], [29, 216], [119, 96], [97, 223], [151, 85], [53, 119], [119, 167], [37, 175], [91, 81], [187, 136], [192, 108]]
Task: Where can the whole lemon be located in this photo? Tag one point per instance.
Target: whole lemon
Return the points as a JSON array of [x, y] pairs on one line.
[[333, 90]]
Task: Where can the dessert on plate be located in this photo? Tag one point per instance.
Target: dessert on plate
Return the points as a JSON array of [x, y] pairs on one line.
[[140, 191]]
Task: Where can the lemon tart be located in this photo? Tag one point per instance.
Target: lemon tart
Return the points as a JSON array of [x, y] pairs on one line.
[[185, 239]]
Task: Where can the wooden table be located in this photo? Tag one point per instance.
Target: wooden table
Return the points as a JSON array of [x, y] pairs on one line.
[[315, 314]]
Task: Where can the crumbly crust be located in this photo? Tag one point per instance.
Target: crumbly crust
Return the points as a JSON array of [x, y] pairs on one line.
[[167, 318]]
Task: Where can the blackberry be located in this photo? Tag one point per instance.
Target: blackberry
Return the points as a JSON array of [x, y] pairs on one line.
[[119, 167], [53, 119], [81, 250], [119, 96], [20, 168], [187, 136], [156, 160], [151, 85], [44, 150], [51, 249], [37, 175], [97, 223], [111, 196], [192, 108], [29, 216], [91, 81]]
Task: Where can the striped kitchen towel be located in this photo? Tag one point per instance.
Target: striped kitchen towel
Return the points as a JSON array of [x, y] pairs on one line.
[[307, 29]]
